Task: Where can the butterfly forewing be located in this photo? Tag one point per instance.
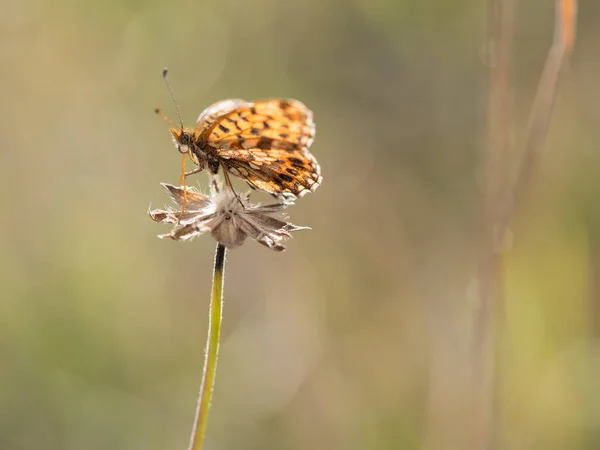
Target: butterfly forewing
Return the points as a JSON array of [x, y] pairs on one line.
[[286, 120], [217, 110]]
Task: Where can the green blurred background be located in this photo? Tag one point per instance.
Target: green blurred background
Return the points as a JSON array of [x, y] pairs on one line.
[[358, 336]]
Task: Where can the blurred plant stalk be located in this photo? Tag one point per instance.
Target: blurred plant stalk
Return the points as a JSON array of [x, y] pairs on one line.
[[211, 352], [505, 185]]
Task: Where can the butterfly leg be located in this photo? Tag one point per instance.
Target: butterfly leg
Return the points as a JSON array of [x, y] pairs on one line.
[[192, 172], [230, 186], [183, 182], [214, 181]]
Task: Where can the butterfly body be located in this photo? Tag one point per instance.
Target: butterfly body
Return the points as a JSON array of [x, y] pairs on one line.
[[265, 143], [191, 142]]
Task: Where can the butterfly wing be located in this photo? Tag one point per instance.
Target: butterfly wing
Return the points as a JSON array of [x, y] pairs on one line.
[[286, 120], [266, 143], [275, 170], [217, 110]]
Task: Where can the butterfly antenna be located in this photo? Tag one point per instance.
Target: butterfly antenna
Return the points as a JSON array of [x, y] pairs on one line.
[[165, 118], [165, 73]]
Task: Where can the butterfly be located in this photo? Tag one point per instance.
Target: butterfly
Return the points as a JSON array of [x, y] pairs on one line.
[[265, 143]]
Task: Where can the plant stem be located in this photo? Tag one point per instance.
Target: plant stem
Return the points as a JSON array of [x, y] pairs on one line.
[[211, 352], [502, 194], [500, 41]]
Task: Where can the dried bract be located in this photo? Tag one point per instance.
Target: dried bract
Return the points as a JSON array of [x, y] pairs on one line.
[[228, 218]]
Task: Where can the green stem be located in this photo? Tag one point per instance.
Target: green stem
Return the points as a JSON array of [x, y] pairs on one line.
[[211, 353]]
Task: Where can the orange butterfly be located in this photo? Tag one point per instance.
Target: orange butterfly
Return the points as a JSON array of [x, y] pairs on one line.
[[265, 143]]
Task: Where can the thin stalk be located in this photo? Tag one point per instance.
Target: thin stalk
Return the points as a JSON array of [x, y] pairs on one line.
[[497, 150], [211, 352], [503, 194]]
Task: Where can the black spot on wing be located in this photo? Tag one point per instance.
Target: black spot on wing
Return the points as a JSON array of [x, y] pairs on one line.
[[284, 177], [265, 143], [297, 162]]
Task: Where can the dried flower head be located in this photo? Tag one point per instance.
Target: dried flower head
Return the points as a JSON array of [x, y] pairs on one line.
[[230, 220]]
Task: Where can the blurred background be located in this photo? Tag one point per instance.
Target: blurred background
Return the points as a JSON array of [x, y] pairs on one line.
[[358, 336]]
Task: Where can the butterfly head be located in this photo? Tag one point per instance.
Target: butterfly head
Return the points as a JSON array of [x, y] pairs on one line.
[[182, 139]]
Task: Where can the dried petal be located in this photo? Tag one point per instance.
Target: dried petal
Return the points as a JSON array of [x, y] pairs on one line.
[[229, 218], [186, 232], [194, 201]]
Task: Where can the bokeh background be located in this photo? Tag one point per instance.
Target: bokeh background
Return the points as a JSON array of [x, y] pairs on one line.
[[358, 336]]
